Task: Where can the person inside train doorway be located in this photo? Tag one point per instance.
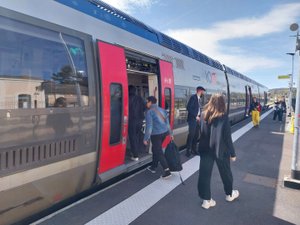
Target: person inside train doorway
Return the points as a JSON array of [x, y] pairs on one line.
[[137, 108], [157, 129], [215, 145], [255, 109], [194, 108]]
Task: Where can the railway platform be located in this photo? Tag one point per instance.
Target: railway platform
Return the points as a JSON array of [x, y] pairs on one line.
[[263, 159]]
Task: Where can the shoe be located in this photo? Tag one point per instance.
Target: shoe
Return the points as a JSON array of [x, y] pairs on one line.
[[194, 152], [151, 169], [235, 194], [208, 203], [166, 174], [134, 158], [188, 153]]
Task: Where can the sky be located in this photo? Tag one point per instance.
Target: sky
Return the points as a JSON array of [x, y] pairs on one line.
[[250, 36]]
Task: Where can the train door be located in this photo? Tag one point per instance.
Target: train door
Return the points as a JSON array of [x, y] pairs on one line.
[[247, 101], [259, 99], [114, 100], [265, 99], [142, 74], [167, 92], [228, 92], [249, 98]]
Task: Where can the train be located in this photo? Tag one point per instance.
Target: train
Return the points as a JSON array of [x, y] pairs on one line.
[[64, 66]]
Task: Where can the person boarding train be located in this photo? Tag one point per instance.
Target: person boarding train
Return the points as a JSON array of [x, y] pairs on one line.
[[137, 108], [157, 129]]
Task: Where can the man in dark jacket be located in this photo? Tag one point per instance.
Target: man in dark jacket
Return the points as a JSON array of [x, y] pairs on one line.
[[137, 108], [194, 108], [278, 110]]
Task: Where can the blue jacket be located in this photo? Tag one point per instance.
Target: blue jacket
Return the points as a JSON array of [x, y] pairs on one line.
[[154, 123]]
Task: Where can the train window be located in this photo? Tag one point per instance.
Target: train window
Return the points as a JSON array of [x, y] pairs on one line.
[[181, 98], [168, 101], [116, 112], [44, 64]]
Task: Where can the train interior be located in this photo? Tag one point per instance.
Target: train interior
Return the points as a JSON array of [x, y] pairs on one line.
[[142, 73]]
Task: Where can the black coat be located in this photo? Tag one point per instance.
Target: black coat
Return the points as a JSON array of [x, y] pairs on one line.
[[254, 106], [216, 137], [192, 108], [137, 107]]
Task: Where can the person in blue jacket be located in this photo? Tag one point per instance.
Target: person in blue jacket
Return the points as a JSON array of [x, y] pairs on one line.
[[157, 129]]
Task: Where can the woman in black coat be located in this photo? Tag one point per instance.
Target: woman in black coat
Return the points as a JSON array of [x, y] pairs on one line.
[[215, 146]]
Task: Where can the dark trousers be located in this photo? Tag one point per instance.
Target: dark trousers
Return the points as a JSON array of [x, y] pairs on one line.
[[205, 171], [194, 129], [134, 130], [157, 152], [279, 114]]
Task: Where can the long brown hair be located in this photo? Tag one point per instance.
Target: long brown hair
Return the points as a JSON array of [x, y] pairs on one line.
[[215, 108]]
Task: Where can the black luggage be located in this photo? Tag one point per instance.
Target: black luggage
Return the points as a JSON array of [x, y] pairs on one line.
[[173, 157]]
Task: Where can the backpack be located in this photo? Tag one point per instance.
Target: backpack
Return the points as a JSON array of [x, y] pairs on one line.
[[259, 107], [173, 158]]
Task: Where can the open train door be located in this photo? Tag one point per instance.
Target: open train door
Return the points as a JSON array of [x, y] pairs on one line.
[[114, 101], [167, 92]]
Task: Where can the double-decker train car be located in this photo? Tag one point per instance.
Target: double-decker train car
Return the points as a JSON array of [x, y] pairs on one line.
[[65, 67], [241, 90]]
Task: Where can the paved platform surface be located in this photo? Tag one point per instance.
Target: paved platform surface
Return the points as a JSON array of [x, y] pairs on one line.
[[263, 159]]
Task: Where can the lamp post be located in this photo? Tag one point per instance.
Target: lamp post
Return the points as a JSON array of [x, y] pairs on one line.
[[294, 180], [291, 84]]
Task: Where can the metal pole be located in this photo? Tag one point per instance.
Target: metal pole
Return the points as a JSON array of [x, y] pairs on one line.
[[293, 181], [295, 158], [291, 86]]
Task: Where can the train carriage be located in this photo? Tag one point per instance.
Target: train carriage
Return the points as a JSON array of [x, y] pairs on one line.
[[65, 67]]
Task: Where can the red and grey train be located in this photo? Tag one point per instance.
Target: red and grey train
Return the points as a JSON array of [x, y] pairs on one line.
[[65, 67]]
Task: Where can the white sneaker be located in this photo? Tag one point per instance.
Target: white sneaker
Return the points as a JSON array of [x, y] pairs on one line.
[[135, 158], [208, 203], [235, 194]]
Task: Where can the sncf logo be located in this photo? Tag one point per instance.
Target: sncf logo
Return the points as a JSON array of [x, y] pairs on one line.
[[211, 77]]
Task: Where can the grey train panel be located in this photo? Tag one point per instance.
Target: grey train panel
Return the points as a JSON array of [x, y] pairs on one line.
[[50, 63]]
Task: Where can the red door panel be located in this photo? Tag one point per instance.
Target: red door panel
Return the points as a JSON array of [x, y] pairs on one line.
[[167, 82], [114, 95]]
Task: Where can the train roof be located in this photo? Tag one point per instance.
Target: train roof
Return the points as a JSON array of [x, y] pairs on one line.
[[111, 15], [104, 12], [237, 74]]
